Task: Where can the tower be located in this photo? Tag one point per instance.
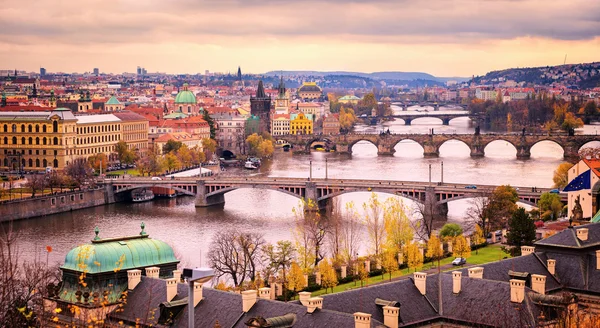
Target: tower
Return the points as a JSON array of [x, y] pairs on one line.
[[260, 106], [281, 101], [85, 102], [239, 74], [52, 101]]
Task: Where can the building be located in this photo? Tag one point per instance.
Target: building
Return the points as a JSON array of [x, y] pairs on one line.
[[113, 104], [185, 102], [313, 109], [300, 123], [349, 99], [309, 91], [96, 71], [32, 141], [583, 188], [281, 101], [84, 103], [42, 72], [260, 107], [253, 125], [185, 138], [230, 132], [280, 124], [331, 124]]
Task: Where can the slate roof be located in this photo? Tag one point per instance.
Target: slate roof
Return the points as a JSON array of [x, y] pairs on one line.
[[129, 116], [568, 238]]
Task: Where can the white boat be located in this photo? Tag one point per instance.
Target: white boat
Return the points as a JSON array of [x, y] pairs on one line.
[[249, 165], [138, 196]]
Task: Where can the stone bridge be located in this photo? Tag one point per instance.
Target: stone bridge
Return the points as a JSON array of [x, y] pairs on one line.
[[435, 104], [445, 118], [211, 191], [431, 143]]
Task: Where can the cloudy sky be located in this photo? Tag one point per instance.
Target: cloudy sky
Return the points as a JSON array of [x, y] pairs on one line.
[[441, 37]]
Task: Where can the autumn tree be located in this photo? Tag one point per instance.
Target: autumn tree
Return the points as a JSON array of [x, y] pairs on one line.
[[295, 279], [351, 233], [259, 147], [398, 230], [389, 263], [78, 171], [347, 118], [125, 155], [477, 211], [35, 183], [171, 162], [502, 203], [310, 232], [335, 216], [521, 230], [362, 273], [280, 257], [550, 206], [328, 276], [414, 258], [209, 146], [477, 238], [561, 175], [374, 223], [149, 163], [98, 162], [460, 247], [171, 146], [184, 156], [434, 248]]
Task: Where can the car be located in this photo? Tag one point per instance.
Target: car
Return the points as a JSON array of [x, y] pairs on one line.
[[156, 178], [471, 187], [554, 191], [459, 261]]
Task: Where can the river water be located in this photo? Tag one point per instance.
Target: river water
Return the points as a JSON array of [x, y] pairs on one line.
[[189, 229]]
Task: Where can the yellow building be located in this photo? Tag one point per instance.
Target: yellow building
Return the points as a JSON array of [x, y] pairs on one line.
[[310, 90], [33, 141], [301, 124], [135, 130]]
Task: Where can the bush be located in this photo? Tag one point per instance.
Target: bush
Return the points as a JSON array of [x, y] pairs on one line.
[[348, 279], [474, 247], [312, 288], [376, 272]]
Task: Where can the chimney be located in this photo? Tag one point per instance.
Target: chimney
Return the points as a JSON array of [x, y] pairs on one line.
[[177, 275], [171, 288], [314, 303], [304, 296], [197, 293], [390, 316], [517, 290], [264, 293], [420, 282], [582, 234], [476, 273], [133, 278], [152, 272], [551, 266], [598, 260], [362, 320], [248, 299], [538, 283], [526, 250], [456, 279]]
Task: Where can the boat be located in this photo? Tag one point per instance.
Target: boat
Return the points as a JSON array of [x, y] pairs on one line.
[[143, 195], [249, 165], [255, 161]]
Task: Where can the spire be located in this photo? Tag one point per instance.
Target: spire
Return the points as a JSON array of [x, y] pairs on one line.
[[260, 92], [281, 87], [3, 104], [239, 73]]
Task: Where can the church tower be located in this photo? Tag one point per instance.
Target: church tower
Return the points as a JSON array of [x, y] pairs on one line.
[[85, 102], [282, 101], [52, 101], [260, 106]]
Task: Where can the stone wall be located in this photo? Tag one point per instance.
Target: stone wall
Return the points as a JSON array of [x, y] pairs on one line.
[[52, 204]]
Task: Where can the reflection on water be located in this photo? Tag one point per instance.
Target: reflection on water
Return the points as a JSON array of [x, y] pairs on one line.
[[189, 229]]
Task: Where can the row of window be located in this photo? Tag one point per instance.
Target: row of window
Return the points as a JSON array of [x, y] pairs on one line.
[[30, 151], [136, 127], [30, 128], [99, 129], [30, 141], [30, 163], [62, 199], [97, 139]]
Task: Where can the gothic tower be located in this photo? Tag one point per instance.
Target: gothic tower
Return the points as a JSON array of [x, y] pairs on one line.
[[260, 106]]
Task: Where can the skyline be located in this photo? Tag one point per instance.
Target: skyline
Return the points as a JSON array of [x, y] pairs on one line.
[[184, 37]]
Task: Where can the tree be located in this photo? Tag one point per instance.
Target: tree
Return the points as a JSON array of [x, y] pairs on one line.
[[149, 163], [311, 230], [450, 230], [374, 223], [362, 273], [171, 146], [389, 262], [589, 111], [502, 203], [211, 124], [184, 156], [171, 162], [98, 162], [79, 171], [521, 230], [335, 235], [351, 233], [398, 230], [561, 175], [550, 206], [35, 182], [571, 122], [347, 118], [460, 247], [414, 259], [125, 155], [209, 147], [477, 211], [295, 279], [477, 238], [328, 275], [280, 257], [434, 248], [236, 255], [258, 146]]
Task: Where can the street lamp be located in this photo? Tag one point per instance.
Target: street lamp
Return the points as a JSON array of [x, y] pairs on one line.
[[200, 275], [325, 168]]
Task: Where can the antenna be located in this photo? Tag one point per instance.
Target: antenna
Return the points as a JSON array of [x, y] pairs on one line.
[[565, 62]]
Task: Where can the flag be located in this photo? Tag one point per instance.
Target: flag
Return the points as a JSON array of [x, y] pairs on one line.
[[581, 182]]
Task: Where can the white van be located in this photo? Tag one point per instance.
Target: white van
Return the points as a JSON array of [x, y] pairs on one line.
[[48, 169]]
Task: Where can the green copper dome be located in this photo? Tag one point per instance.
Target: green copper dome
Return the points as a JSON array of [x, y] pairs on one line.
[[113, 101], [185, 96], [119, 254]]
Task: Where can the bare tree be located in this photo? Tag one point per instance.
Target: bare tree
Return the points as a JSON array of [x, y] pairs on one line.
[[476, 213], [427, 215], [351, 233], [235, 255], [375, 223], [36, 183], [336, 225], [311, 230]]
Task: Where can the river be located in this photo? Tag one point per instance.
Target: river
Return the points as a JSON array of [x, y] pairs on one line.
[[189, 229]]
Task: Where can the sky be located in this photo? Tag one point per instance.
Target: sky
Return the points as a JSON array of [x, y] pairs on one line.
[[440, 37]]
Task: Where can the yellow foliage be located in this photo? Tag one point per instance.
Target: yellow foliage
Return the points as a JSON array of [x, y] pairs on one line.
[[328, 275], [414, 259], [434, 247], [477, 238], [399, 231], [295, 278], [460, 248]]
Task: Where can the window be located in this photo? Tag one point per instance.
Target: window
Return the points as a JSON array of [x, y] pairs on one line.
[[37, 140], [14, 140], [37, 128], [29, 128], [44, 128], [62, 200], [55, 141], [37, 162], [53, 201], [14, 128], [6, 140], [81, 196], [22, 127], [30, 140], [55, 126], [72, 198], [30, 162], [5, 128], [44, 163], [44, 141]]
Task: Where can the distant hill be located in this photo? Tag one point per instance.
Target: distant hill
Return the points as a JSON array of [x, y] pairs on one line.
[[404, 76]]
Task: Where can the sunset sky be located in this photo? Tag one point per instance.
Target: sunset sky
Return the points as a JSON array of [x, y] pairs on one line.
[[440, 37]]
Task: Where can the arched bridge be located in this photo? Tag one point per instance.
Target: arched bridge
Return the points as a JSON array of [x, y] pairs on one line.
[[431, 143], [435, 104], [445, 118], [211, 191]]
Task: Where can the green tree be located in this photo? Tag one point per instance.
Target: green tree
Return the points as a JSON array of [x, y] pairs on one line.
[[414, 259], [561, 175], [521, 230], [450, 230], [211, 124], [501, 204], [171, 146], [550, 205], [280, 257], [589, 111]]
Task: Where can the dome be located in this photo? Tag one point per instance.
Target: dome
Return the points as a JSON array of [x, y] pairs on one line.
[[185, 96], [108, 255]]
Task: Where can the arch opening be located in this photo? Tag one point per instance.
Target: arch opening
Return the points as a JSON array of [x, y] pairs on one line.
[[500, 149], [547, 149], [427, 120], [454, 148], [408, 148], [363, 148]]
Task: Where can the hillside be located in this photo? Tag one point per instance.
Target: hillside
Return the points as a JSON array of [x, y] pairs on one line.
[[397, 76]]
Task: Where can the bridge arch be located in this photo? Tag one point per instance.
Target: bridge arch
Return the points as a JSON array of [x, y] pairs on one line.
[[454, 117], [310, 142], [549, 140], [412, 140], [232, 188], [377, 190], [455, 140], [354, 142], [485, 145], [413, 119], [590, 144]]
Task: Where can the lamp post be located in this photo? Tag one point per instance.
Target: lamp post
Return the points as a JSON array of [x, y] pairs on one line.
[[442, 172], [201, 275], [326, 169], [310, 171], [430, 175]]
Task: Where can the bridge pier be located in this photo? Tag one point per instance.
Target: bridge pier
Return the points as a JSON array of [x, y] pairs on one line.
[[385, 150], [343, 148], [407, 121], [109, 193], [431, 208], [477, 150], [523, 152], [430, 149], [571, 153], [437, 107], [202, 200], [446, 121]]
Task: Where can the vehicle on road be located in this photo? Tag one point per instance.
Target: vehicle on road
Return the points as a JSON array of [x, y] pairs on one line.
[[554, 191], [471, 187], [459, 261], [156, 178]]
